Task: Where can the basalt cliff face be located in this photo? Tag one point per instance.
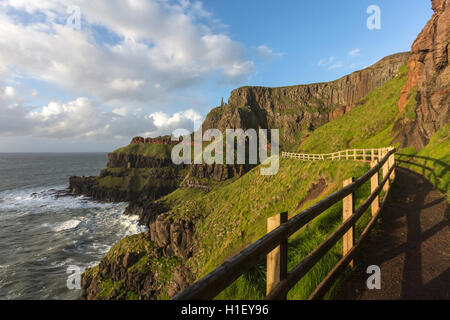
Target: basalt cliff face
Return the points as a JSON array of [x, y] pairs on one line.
[[299, 109], [429, 74]]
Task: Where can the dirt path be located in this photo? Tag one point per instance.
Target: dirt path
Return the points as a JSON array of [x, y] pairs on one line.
[[411, 245]]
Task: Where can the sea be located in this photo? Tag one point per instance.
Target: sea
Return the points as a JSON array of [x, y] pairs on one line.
[[47, 236]]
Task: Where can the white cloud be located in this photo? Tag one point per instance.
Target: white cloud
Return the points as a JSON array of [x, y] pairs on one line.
[[83, 117], [10, 91], [163, 46], [354, 52], [265, 52], [155, 49]]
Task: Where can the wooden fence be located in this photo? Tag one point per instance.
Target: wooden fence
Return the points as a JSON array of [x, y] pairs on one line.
[[274, 245], [350, 154]]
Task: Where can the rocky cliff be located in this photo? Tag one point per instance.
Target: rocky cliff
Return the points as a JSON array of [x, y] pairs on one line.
[[137, 267], [296, 110], [429, 76], [131, 174]]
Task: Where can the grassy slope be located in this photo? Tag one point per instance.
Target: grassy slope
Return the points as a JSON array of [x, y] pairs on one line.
[[370, 126], [366, 126], [234, 215]]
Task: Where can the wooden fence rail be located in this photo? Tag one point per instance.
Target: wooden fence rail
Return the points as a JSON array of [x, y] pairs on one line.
[[350, 154], [273, 246]]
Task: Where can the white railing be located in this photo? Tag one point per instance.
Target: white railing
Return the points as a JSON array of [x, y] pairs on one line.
[[349, 154]]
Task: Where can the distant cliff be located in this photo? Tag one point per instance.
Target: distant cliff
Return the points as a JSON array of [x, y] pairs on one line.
[[297, 110], [132, 172]]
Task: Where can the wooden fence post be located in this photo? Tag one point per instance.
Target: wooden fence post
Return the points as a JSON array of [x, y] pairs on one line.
[[348, 205], [373, 185], [385, 171], [392, 164], [276, 259]]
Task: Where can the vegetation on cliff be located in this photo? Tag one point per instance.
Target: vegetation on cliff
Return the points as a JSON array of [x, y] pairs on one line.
[[366, 126], [160, 151]]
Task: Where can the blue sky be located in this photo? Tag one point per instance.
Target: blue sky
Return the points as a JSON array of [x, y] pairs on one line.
[[149, 66]]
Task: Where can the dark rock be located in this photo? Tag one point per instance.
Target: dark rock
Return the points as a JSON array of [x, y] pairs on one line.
[[130, 259], [218, 172], [181, 279]]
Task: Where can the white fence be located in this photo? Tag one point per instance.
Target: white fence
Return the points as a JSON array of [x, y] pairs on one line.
[[368, 155]]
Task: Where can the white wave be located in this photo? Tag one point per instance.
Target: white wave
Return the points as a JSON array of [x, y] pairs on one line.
[[28, 201], [67, 225], [131, 224]]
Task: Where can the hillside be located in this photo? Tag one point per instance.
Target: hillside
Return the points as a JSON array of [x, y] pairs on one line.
[[203, 228], [209, 213]]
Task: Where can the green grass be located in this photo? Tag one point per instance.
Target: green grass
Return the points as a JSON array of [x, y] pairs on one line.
[[233, 215], [134, 180], [160, 151], [432, 161], [366, 126]]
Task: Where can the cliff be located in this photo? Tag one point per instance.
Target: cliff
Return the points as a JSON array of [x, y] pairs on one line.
[[297, 110], [429, 76], [132, 172]]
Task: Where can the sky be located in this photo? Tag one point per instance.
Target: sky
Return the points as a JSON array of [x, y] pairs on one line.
[[88, 75]]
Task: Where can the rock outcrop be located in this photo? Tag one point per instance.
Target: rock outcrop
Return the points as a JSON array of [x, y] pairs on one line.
[[218, 172], [89, 186], [127, 177], [173, 238], [429, 73], [135, 268]]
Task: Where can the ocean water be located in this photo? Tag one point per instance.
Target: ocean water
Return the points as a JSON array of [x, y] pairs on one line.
[[42, 233]]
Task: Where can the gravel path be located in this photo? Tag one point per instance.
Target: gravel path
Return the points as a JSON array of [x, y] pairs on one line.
[[411, 245]]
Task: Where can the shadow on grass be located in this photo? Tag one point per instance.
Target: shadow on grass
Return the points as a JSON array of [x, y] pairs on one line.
[[435, 170]]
